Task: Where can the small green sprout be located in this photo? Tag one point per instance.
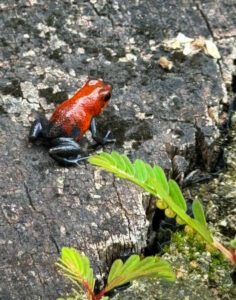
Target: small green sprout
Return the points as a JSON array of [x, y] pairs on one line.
[[167, 192], [76, 267]]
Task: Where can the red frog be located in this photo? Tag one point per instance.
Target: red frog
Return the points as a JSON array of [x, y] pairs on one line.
[[70, 121]]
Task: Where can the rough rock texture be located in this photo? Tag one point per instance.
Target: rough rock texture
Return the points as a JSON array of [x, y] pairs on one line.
[[48, 49]]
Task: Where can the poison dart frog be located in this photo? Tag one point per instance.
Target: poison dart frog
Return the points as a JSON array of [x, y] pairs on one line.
[[70, 121]]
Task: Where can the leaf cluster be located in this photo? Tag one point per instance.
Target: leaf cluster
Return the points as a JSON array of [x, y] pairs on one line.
[[76, 267]]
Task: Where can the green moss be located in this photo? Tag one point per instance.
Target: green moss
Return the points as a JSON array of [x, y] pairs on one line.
[[217, 262], [184, 242], [189, 254]]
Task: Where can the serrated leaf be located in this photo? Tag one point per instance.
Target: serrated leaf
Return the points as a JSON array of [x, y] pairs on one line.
[[115, 269], [177, 195], [149, 170], [107, 157], [72, 258], [130, 263], [89, 277], [134, 268], [76, 267], [157, 186], [86, 265], [119, 162], [151, 179], [100, 160], [128, 165], [198, 212], [161, 178], [147, 262], [140, 170]]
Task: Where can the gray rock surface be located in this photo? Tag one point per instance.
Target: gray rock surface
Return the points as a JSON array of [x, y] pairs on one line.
[[48, 49]]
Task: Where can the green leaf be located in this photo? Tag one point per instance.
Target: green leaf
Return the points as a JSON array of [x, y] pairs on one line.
[[134, 268], [153, 181], [129, 166], [119, 162], [104, 159], [73, 259], [140, 170], [198, 212], [161, 178], [130, 263], [177, 195], [113, 163], [115, 269], [76, 267], [90, 278], [107, 157], [149, 170]]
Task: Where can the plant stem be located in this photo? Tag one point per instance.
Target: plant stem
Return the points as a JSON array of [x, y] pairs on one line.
[[230, 255], [90, 293], [99, 296]]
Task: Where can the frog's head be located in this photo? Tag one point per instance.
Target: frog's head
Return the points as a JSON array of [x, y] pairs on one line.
[[98, 94]]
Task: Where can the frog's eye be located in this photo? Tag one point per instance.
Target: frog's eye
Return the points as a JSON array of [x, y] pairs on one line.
[[107, 97]]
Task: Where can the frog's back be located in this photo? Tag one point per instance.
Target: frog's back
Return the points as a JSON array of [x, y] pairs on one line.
[[69, 119], [72, 118]]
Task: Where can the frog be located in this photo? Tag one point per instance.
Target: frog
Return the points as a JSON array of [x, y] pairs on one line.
[[71, 120]]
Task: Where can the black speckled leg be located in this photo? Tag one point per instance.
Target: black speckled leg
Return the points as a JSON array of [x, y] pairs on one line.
[[66, 151], [99, 140]]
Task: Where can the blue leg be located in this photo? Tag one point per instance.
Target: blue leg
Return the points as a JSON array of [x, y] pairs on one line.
[[99, 140]]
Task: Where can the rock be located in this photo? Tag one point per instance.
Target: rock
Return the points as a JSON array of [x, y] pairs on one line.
[[49, 49]]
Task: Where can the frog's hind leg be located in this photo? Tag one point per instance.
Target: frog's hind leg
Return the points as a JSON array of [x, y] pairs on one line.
[[66, 151]]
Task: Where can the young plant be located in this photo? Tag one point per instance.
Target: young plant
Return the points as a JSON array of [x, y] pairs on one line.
[[168, 194], [76, 267]]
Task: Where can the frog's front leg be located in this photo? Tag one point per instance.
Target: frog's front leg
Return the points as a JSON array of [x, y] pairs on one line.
[[38, 129], [98, 139], [66, 151]]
